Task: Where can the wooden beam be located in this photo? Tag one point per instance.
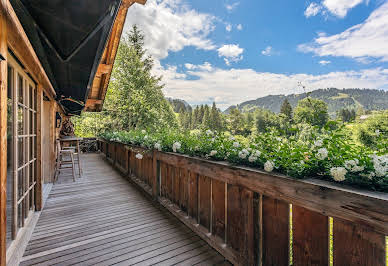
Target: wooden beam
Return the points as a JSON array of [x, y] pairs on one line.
[[104, 69], [3, 137]]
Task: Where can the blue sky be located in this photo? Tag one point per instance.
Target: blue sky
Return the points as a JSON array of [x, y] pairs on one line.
[[230, 51]]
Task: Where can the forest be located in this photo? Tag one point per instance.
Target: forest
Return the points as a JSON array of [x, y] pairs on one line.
[[301, 140]]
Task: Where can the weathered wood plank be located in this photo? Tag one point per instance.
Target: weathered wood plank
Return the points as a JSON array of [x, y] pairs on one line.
[[204, 201], [193, 195], [3, 137], [218, 208], [275, 231], [357, 245], [310, 237], [240, 228]]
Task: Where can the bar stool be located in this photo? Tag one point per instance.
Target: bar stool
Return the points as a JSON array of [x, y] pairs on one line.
[[61, 162]]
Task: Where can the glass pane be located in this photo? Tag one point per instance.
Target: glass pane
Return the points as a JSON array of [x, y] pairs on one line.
[[20, 215], [10, 82], [20, 89], [35, 98], [20, 183], [31, 126], [31, 148], [20, 120], [31, 91], [20, 151], [35, 129]]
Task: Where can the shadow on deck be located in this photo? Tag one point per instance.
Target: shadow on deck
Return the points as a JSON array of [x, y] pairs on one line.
[[102, 219]]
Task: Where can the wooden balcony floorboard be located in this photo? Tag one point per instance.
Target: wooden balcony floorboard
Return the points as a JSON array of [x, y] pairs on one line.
[[102, 219]]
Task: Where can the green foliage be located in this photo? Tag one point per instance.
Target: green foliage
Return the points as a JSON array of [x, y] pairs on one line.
[[311, 111], [310, 152], [347, 115], [373, 132]]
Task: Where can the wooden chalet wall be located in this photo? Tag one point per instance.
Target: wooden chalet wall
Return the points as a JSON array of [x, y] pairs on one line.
[[255, 218], [13, 37]]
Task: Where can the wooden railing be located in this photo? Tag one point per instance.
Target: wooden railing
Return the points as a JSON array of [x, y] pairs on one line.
[[255, 218]]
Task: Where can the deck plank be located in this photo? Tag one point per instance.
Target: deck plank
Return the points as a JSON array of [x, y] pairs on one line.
[[101, 219]]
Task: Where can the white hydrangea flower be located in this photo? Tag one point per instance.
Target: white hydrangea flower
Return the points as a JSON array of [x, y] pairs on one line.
[[268, 166], [322, 154], [252, 158], [380, 163], [236, 144], [352, 166], [249, 149], [176, 146], [278, 138], [139, 156], [145, 137], [242, 155], [256, 153], [318, 143], [338, 173], [377, 132], [231, 138], [158, 146], [143, 131], [209, 132], [213, 152]]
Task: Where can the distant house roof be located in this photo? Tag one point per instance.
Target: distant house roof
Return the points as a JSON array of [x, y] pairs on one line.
[[76, 42]]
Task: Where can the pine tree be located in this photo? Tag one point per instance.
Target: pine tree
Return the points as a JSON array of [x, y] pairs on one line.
[[286, 109], [206, 117], [135, 98]]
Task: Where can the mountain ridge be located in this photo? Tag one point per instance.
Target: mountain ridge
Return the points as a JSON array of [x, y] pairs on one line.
[[336, 99]]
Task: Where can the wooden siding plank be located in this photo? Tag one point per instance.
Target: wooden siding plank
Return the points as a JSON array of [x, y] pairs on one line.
[[275, 231], [357, 245], [204, 201], [310, 237], [218, 208], [193, 195], [3, 137], [240, 228]]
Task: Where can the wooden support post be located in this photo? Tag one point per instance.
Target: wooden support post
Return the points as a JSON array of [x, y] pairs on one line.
[[3, 137], [155, 175], [39, 142]]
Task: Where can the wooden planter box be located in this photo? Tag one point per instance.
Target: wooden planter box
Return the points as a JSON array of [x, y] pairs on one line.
[[249, 216]]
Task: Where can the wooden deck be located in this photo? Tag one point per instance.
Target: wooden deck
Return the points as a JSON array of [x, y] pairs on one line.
[[101, 219]]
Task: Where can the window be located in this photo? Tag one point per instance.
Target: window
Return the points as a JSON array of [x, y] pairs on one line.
[[21, 141]]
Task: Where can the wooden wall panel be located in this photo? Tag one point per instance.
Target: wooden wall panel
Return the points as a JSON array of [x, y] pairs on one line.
[[240, 229], [184, 195], [3, 137], [275, 231], [218, 208], [310, 237], [204, 201], [176, 185], [193, 195], [357, 245]]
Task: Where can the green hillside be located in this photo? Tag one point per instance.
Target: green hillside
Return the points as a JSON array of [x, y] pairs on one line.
[[336, 99]]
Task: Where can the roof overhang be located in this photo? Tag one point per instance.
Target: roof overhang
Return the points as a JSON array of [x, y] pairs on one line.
[[76, 43]]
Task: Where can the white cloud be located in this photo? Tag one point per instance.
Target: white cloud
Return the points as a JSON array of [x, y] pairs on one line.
[[231, 7], [233, 86], [324, 62], [366, 40], [228, 27], [268, 51], [340, 8], [312, 10], [205, 67], [231, 53], [170, 25], [239, 27]]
